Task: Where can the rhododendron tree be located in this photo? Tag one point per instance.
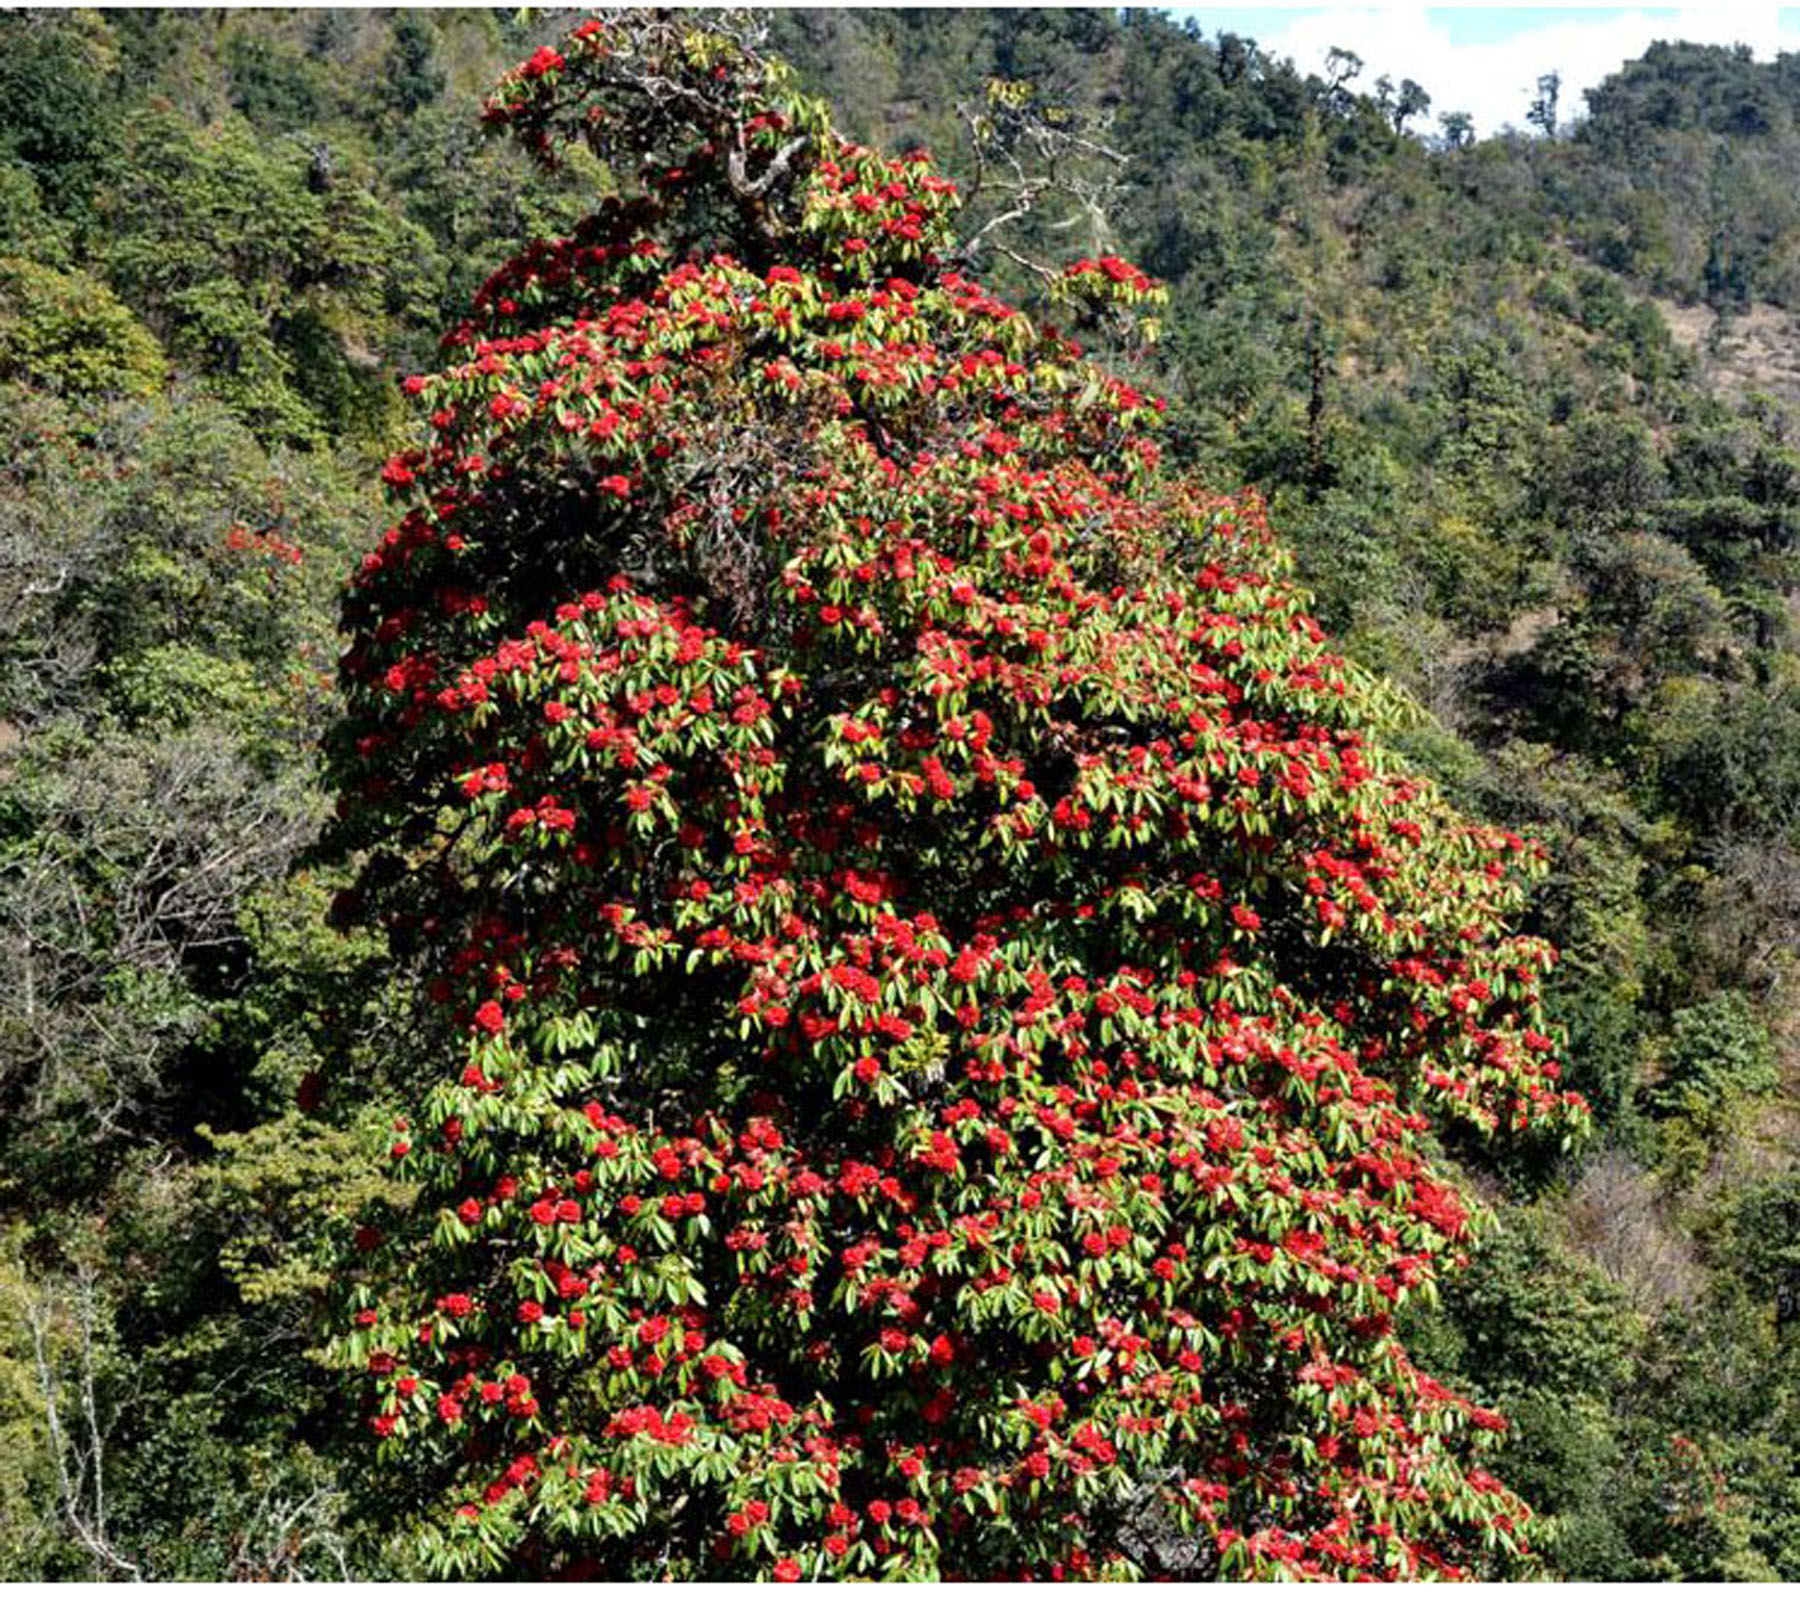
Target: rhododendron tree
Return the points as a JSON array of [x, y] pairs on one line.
[[948, 1007]]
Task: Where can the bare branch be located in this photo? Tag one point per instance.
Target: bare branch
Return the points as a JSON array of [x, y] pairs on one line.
[[1025, 152], [78, 1454]]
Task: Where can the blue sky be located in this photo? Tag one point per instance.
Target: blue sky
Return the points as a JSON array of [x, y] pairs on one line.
[[1485, 59]]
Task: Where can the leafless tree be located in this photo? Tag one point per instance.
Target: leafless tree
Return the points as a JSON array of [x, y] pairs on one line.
[[62, 1320], [286, 1536], [143, 857], [1616, 1218], [1755, 917]]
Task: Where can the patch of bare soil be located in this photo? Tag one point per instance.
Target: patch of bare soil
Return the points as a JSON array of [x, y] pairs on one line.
[[1756, 351]]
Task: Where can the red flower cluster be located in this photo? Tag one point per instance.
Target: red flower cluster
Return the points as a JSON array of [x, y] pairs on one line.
[[1111, 275]]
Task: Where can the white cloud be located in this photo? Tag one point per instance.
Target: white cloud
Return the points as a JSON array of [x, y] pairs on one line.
[[1495, 82]]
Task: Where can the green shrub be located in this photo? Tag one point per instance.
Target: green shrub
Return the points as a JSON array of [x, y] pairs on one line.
[[66, 331]]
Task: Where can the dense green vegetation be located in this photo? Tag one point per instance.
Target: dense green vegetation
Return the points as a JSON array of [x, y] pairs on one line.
[[1466, 375]]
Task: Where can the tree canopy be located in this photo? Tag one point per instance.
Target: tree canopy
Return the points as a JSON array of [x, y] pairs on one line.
[[946, 998]]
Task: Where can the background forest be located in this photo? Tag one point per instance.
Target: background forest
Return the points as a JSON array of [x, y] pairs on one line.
[[1527, 408]]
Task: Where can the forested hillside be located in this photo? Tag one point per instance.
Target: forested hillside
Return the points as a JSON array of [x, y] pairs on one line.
[[1525, 408]]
